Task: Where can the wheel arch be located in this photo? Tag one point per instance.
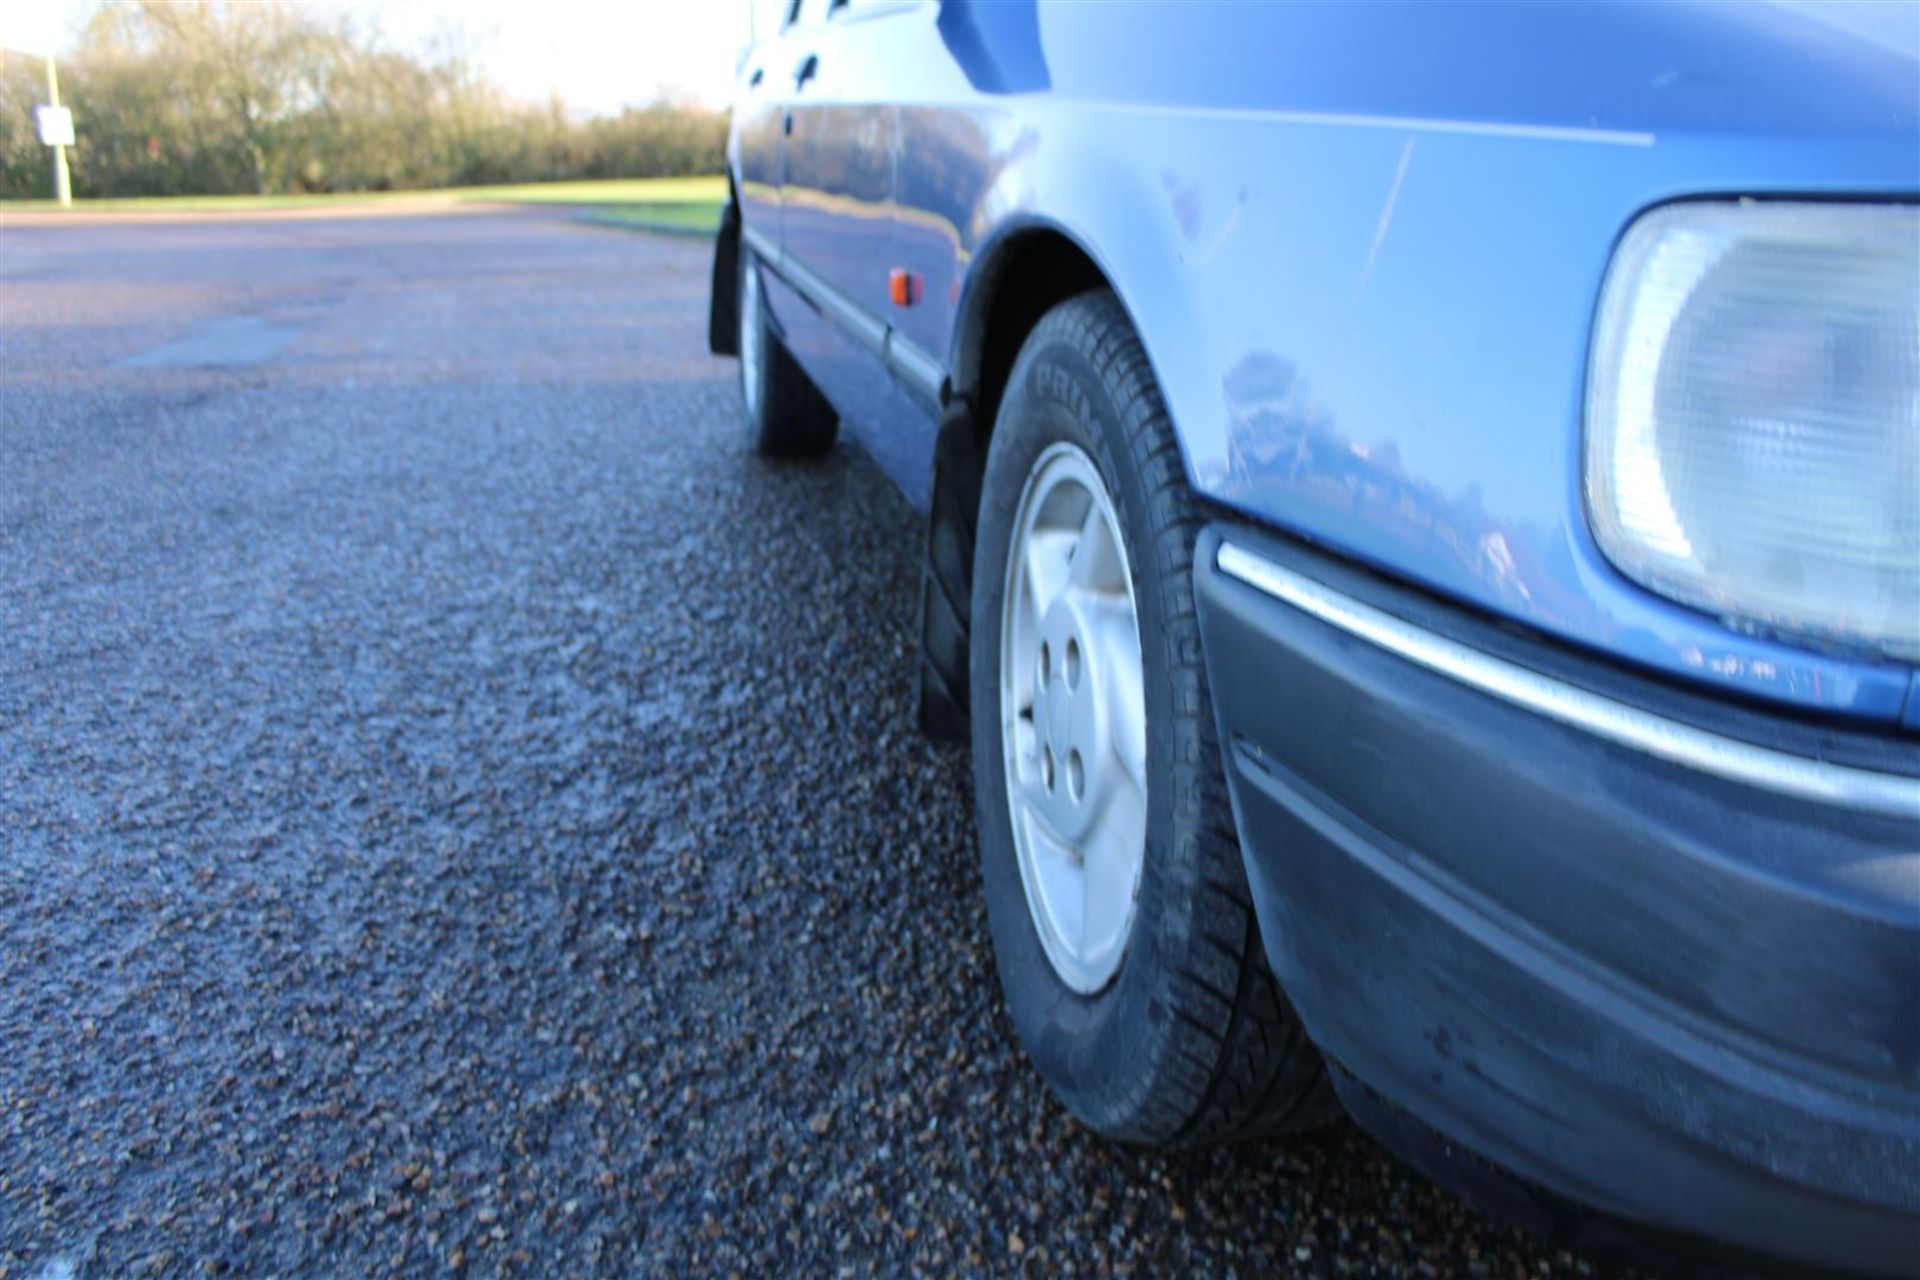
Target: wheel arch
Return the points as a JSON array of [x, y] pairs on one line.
[[1023, 272], [1026, 270]]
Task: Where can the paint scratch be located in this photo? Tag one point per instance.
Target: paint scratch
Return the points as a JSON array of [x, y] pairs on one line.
[[1386, 210]]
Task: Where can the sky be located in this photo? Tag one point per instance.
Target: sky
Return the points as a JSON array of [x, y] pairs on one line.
[[600, 55]]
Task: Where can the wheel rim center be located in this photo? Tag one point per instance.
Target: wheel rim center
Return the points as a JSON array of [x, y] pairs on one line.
[[1069, 721]]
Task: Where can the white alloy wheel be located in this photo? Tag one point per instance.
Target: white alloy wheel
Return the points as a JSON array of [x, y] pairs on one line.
[[1074, 718]]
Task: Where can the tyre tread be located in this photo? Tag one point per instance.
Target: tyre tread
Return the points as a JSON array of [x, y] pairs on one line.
[[1258, 1073]]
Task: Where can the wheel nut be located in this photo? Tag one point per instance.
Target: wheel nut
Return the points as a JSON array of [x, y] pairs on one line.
[[1076, 772], [1073, 663], [1046, 663], [1046, 766]]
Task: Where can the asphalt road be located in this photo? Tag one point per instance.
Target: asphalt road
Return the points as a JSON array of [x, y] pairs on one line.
[[460, 812]]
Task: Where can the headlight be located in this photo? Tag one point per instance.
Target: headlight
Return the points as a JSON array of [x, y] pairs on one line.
[[1753, 416]]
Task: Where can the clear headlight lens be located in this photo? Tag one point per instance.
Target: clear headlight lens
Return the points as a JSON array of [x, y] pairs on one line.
[[1753, 416]]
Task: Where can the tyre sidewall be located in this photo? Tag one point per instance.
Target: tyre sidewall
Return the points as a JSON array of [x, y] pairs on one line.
[[754, 400], [1102, 1053]]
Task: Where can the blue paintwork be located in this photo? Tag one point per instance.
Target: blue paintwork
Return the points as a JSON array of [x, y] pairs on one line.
[[1362, 245]]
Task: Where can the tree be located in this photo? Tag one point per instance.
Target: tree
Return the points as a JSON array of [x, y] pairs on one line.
[[223, 96]]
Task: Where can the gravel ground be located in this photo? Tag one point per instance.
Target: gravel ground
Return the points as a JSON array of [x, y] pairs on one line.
[[459, 812]]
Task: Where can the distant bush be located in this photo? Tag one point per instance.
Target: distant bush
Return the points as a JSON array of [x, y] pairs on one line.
[[237, 98]]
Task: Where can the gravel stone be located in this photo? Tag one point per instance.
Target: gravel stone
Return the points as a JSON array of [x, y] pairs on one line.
[[460, 811]]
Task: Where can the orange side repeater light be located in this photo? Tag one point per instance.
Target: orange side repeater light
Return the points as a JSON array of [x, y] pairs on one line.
[[903, 286]]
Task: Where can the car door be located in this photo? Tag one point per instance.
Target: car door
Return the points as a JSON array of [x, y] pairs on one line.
[[759, 117], [837, 237], [837, 193]]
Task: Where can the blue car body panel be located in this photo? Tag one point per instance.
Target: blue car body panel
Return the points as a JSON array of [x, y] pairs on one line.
[[1362, 244]]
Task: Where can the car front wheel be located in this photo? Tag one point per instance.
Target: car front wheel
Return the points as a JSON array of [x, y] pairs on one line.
[[1125, 941]]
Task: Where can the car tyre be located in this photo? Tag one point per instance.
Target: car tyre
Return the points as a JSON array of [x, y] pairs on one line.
[[1182, 1035], [786, 415]]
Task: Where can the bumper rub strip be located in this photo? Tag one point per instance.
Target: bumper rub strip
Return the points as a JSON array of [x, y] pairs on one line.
[[1740, 762]]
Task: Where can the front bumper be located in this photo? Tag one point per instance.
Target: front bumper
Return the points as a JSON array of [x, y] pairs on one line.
[[1669, 973]]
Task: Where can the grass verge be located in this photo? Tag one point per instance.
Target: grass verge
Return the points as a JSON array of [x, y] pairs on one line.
[[676, 198], [675, 219]]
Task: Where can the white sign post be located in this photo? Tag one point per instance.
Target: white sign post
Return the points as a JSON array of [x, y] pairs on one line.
[[56, 131]]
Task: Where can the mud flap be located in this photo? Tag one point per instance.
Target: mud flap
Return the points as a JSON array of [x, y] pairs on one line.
[[723, 301], [946, 579]]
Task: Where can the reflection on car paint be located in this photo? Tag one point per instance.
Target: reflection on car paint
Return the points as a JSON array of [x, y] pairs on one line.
[[1420, 252]]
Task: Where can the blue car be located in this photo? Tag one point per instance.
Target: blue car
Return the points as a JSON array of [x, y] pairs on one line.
[[1423, 542]]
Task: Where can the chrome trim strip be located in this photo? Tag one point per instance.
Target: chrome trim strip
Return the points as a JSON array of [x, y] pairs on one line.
[[764, 248], [920, 372], [856, 320], [1670, 740]]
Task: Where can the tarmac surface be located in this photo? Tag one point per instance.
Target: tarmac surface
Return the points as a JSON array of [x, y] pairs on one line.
[[460, 811]]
